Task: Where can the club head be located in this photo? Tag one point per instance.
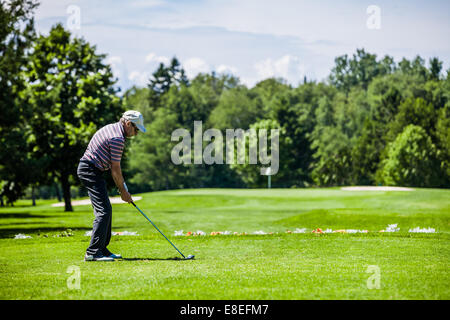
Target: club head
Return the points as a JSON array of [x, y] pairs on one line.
[[189, 257]]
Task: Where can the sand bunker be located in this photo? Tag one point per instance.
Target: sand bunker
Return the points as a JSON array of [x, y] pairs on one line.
[[87, 201], [373, 188]]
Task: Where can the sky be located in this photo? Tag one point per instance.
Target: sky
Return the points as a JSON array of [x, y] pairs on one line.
[[251, 39]]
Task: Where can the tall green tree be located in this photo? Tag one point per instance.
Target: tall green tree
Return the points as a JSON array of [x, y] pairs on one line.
[[331, 145], [268, 90], [413, 111], [151, 162], [253, 174], [163, 78], [70, 94], [334, 133], [443, 139], [435, 68], [340, 121], [237, 108], [415, 67], [206, 89], [412, 160], [16, 38], [359, 70], [295, 111]]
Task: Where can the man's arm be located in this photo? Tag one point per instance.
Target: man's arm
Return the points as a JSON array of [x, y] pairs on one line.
[[116, 173]]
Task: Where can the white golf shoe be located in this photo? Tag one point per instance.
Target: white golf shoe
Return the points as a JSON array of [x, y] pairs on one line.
[[97, 258]]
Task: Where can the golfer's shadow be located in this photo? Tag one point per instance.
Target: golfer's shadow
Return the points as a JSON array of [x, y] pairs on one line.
[[153, 259]]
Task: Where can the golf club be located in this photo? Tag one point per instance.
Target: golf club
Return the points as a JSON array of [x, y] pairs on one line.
[[189, 257]]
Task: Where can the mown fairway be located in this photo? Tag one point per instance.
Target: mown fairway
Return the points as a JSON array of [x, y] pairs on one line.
[[277, 266]]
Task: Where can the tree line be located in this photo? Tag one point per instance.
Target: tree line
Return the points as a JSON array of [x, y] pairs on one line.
[[373, 121], [55, 92]]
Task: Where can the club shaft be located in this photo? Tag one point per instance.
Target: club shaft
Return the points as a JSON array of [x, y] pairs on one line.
[[157, 228]]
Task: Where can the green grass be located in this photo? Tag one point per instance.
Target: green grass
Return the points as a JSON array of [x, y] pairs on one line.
[[277, 266]]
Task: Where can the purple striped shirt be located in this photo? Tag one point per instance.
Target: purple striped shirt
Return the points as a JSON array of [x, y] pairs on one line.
[[106, 146]]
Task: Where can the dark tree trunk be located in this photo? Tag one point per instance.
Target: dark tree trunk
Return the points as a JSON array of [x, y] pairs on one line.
[[2, 204], [66, 191], [33, 196], [58, 194]]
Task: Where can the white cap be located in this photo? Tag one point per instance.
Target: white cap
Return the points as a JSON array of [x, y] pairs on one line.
[[135, 117]]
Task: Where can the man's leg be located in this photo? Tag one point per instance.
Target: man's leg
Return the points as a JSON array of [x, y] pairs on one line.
[[108, 236], [101, 232]]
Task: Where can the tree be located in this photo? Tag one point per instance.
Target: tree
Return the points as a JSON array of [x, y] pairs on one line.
[[414, 68], [70, 94], [151, 161], [435, 68], [268, 90], [151, 154], [181, 102], [340, 122], [366, 154], [236, 108], [137, 99], [384, 98], [163, 78], [251, 173], [443, 138], [359, 70], [413, 111], [206, 89], [16, 37], [296, 111], [412, 160]]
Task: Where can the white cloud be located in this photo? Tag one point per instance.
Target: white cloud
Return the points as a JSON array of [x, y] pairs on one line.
[[52, 8], [248, 81], [235, 34], [194, 66], [226, 69], [287, 67], [116, 66], [114, 59], [139, 78], [152, 57], [146, 3]]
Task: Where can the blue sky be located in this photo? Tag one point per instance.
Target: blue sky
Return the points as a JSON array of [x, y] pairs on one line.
[[251, 39]]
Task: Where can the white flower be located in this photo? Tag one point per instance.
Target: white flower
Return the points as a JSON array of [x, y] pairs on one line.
[[328, 231], [125, 233], [392, 228], [178, 232], [21, 236], [227, 233], [424, 230], [302, 230], [201, 233], [259, 232]]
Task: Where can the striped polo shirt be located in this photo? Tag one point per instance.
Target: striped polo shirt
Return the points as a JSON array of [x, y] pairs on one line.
[[106, 146]]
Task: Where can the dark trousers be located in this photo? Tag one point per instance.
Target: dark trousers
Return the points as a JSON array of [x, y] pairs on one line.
[[92, 179]]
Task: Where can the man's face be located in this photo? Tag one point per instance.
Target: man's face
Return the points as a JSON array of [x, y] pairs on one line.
[[131, 129]]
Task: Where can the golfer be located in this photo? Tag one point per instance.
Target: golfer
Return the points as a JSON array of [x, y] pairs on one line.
[[103, 153]]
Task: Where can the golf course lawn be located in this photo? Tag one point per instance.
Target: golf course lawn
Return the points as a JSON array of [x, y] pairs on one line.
[[280, 265]]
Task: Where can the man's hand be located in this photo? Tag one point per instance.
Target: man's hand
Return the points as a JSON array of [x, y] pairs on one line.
[[116, 173], [126, 196]]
